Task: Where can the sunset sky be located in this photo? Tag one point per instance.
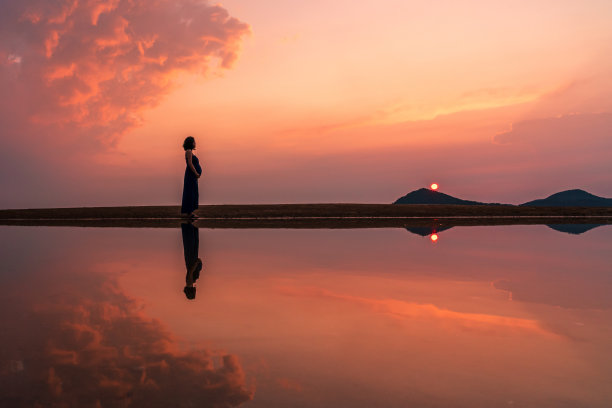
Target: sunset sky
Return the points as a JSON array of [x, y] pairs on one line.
[[303, 101]]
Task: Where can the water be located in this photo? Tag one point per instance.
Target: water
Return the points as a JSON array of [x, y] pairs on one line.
[[517, 316]]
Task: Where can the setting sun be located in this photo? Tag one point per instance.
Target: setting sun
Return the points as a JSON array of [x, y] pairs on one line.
[[434, 186], [434, 237]]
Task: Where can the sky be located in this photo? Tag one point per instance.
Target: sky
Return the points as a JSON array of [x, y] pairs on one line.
[[293, 101]]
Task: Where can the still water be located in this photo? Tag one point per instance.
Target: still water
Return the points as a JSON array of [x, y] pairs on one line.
[[514, 316]]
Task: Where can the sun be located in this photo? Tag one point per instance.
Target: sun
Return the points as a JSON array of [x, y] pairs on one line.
[[434, 237], [434, 186]]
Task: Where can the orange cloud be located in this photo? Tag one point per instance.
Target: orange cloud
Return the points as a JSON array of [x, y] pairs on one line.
[[94, 66]]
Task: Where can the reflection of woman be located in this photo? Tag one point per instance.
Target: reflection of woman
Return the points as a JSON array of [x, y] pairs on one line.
[[192, 174], [191, 243]]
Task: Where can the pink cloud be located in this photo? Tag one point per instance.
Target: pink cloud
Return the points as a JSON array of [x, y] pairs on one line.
[[94, 66]]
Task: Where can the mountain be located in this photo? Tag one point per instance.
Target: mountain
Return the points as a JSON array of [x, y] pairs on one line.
[[426, 196], [571, 198]]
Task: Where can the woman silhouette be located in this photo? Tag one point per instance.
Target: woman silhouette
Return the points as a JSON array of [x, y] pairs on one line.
[[193, 171]]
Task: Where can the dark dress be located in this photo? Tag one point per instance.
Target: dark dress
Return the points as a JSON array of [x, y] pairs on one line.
[[190, 187], [191, 244]]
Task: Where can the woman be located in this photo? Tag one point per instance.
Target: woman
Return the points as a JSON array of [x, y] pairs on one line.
[[192, 174]]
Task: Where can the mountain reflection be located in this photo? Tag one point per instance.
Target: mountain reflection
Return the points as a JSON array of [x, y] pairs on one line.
[[425, 231], [574, 229], [193, 264]]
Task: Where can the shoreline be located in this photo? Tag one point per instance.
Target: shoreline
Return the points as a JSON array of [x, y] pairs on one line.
[[308, 216]]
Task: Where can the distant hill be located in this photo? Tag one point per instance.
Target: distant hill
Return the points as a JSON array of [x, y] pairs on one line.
[[426, 196], [574, 229], [571, 198]]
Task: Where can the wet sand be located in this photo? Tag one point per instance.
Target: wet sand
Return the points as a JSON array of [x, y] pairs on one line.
[[308, 216]]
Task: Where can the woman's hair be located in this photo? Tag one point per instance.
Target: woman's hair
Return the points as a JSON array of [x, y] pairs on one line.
[[189, 143]]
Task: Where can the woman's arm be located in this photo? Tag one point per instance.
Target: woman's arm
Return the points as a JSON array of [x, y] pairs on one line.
[[189, 155]]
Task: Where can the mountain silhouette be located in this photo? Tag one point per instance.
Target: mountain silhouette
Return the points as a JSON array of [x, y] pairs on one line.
[[571, 198], [425, 231], [426, 196], [574, 229]]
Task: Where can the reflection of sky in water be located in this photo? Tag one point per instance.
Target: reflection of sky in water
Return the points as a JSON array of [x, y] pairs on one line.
[[486, 316]]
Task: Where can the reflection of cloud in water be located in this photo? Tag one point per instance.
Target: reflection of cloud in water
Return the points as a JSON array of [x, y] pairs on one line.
[[289, 384], [574, 292], [410, 310], [82, 351]]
